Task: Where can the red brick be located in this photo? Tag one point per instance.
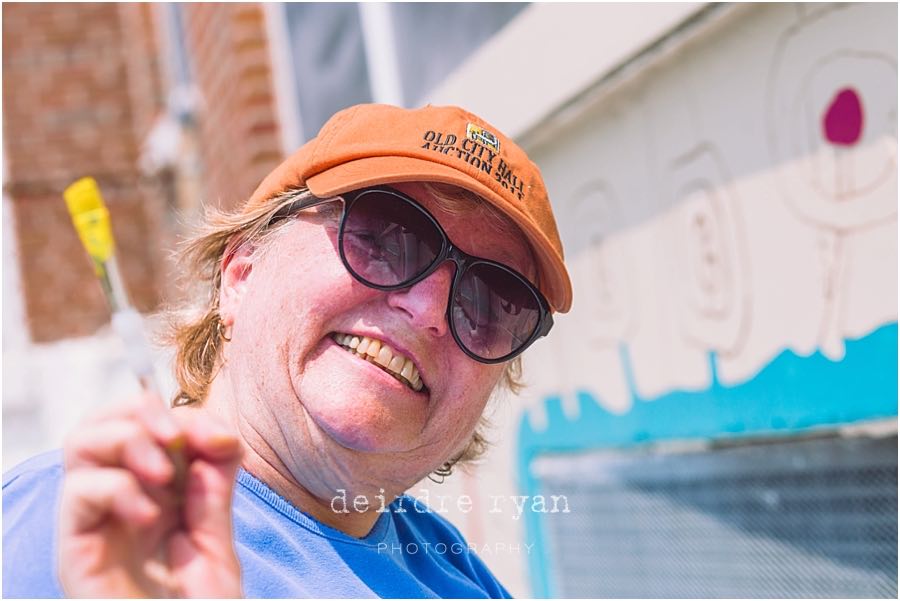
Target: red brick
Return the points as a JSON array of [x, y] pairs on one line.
[[81, 90], [68, 113]]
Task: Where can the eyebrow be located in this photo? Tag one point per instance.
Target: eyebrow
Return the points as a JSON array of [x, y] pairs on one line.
[[502, 255]]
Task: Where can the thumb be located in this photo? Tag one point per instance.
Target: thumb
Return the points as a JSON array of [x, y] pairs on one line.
[[202, 555], [207, 501]]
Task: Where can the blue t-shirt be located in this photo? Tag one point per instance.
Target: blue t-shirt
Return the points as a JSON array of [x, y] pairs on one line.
[[283, 552]]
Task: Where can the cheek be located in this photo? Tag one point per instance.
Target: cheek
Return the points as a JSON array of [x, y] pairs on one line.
[[471, 391], [305, 278], [472, 388], [293, 292]]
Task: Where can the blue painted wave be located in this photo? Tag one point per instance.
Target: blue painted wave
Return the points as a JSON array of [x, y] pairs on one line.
[[791, 394]]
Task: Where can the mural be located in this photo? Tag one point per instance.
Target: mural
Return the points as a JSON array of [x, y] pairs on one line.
[[731, 225], [832, 130]]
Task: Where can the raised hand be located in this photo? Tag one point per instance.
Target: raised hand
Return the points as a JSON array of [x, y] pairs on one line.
[[134, 523]]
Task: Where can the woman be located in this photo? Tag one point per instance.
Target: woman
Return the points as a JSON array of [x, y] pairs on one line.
[[364, 304]]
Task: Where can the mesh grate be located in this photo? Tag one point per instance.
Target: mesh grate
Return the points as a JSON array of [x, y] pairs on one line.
[[802, 518]]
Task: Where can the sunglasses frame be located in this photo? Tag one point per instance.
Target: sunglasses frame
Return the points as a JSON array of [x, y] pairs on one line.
[[449, 252]]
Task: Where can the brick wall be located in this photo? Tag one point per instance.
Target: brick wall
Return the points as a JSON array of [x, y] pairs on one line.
[[80, 89], [239, 137]]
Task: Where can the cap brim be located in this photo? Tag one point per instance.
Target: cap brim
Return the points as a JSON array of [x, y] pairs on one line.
[[371, 171]]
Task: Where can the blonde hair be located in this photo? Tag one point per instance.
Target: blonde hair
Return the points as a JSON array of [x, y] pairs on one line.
[[198, 335]]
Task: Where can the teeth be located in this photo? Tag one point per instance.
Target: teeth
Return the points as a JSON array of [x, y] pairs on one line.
[[383, 355], [396, 364], [407, 370]]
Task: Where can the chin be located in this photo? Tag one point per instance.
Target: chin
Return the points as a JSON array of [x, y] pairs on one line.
[[357, 409], [369, 431]]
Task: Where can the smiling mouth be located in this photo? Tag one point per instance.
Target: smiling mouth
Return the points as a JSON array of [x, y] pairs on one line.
[[382, 356]]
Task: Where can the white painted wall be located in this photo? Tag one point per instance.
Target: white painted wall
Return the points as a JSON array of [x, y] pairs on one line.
[[551, 53], [720, 124]]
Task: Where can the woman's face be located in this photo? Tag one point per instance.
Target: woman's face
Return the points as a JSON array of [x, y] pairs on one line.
[[329, 417]]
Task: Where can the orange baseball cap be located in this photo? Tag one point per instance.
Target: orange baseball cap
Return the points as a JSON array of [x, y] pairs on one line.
[[372, 144]]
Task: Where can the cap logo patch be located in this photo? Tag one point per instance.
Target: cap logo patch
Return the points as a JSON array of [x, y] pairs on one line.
[[479, 134], [480, 149]]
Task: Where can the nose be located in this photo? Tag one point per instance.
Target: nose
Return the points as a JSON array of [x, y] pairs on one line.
[[425, 303]]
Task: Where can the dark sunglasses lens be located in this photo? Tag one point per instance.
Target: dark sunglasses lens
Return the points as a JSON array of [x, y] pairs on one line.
[[387, 241], [494, 312]]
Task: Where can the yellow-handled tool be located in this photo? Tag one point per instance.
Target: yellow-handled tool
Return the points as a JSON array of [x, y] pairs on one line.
[[91, 219]]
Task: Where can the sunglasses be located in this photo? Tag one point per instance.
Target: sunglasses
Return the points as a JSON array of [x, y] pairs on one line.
[[388, 241]]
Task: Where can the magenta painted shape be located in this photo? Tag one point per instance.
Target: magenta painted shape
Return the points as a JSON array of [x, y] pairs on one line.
[[843, 121]]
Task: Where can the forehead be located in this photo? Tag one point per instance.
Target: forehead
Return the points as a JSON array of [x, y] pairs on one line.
[[496, 238]]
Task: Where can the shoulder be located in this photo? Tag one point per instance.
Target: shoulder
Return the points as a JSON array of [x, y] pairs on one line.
[[41, 463], [419, 524], [423, 520], [30, 501], [40, 474]]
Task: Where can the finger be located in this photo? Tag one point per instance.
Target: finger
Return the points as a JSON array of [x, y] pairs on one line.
[[207, 509], [148, 406], [203, 552], [216, 577], [148, 409], [150, 462], [123, 442], [117, 410], [209, 438], [160, 419], [92, 495]]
